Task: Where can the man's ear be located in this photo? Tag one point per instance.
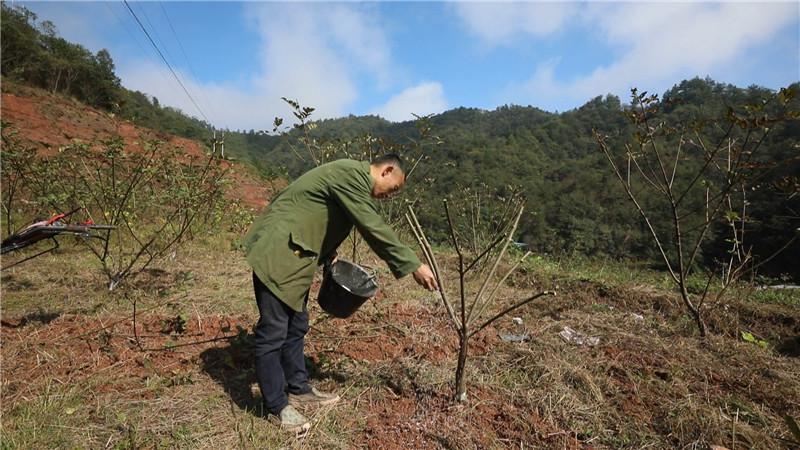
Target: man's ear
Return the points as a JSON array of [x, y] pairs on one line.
[[387, 170]]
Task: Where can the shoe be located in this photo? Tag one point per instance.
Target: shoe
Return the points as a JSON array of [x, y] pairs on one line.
[[314, 397], [292, 420]]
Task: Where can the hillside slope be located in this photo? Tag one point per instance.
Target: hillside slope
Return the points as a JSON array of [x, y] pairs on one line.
[[48, 121]]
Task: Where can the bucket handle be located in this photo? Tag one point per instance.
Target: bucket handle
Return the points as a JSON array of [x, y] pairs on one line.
[[326, 268], [373, 271]]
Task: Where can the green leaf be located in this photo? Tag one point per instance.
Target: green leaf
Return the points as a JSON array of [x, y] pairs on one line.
[[731, 216], [750, 337]]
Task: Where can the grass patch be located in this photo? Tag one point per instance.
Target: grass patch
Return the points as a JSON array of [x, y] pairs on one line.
[[75, 377], [789, 297]]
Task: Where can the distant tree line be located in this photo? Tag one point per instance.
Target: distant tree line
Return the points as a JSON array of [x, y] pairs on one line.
[[33, 53], [574, 205]]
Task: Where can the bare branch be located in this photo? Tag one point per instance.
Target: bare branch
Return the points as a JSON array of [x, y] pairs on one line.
[[509, 309], [484, 253], [709, 158], [497, 287], [452, 230], [462, 290], [632, 157], [633, 199], [485, 284], [772, 256], [419, 234], [677, 159]]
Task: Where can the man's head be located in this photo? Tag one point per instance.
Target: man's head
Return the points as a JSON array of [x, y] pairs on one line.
[[387, 175]]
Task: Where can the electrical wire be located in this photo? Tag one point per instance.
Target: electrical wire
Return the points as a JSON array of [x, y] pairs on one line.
[[133, 37], [177, 78], [185, 57]]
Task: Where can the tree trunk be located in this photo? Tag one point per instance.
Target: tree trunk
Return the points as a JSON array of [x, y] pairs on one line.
[[461, 385], [701, 324], [696, 314], [55, 85]]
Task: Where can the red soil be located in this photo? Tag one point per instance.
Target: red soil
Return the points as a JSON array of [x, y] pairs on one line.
[[76, 348], [47, 122], [73, 348]]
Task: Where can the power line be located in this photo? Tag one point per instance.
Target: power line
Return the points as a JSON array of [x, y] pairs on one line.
[[133, 37], [156, 36], [162, 43], [125, 26], [166, 62], [185, 57]]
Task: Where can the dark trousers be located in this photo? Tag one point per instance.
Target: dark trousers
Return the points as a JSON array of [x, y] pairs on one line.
[[280, 363]]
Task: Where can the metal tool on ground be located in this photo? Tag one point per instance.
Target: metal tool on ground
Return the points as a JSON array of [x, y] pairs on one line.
[[49, 229]]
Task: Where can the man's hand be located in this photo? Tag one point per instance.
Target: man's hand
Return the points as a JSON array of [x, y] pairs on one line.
[[424, 277]]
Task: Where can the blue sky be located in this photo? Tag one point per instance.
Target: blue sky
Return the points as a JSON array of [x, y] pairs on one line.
[[398, 58]]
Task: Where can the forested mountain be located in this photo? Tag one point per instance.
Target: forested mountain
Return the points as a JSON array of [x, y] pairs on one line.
[[575, 205]]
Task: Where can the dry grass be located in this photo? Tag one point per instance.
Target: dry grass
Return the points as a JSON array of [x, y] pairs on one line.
[[73, 374]]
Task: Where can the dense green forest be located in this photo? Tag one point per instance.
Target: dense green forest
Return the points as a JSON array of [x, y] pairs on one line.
[[575, 205]]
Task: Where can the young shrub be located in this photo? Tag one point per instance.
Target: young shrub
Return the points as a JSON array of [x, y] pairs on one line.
[[694, 178], [470, 314]]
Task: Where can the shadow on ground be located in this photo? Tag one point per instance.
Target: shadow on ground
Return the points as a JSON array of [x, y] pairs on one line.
[[789, 347], [14, 283], [40, 316], [232, 367]]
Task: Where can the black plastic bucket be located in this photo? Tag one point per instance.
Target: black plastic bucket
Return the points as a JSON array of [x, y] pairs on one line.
[[345, 287]]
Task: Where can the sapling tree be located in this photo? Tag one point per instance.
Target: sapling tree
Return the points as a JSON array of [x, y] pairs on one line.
[[472, 312], [17, 162], [690, 179], [155, 197]]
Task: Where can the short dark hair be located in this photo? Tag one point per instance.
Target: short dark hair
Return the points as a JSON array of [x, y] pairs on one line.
[[392, 159]]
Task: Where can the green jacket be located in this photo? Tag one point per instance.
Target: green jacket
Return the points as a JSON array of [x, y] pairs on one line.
[[308, 220]]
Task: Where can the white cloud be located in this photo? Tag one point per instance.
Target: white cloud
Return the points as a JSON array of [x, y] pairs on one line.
[[227, 105], [311, 53], [422, 99], [662, 43], [542, 89], [298, 58], [500, 22], [361, 36]]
